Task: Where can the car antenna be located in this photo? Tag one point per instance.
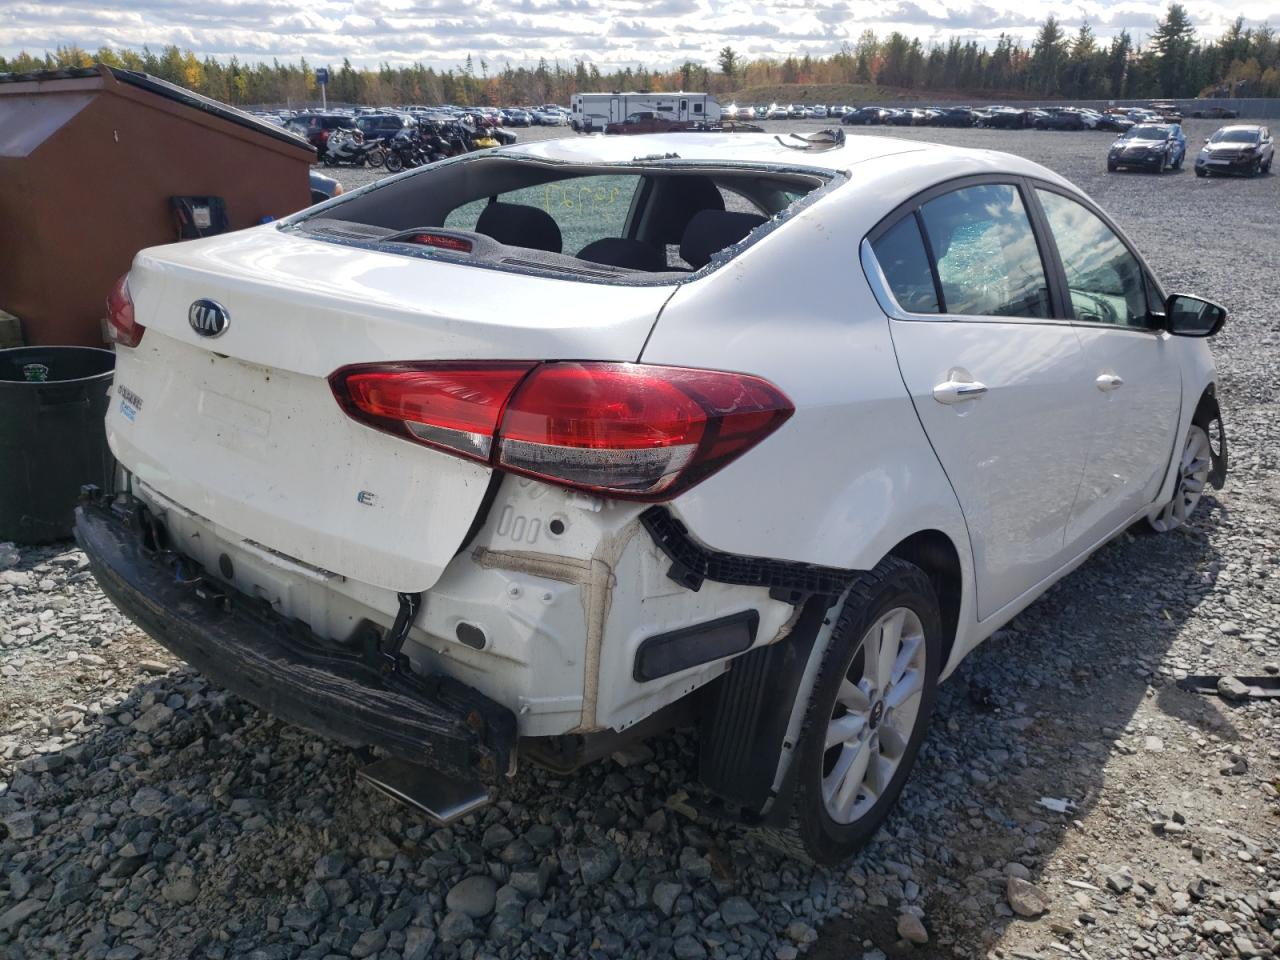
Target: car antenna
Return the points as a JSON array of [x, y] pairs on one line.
[[828, 139]]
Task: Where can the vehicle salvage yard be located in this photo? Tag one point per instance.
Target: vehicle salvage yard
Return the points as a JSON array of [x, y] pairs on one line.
[[1071, 799]]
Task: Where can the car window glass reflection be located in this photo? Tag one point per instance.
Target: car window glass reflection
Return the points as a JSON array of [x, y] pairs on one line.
[[1103, 277], [988, 261]]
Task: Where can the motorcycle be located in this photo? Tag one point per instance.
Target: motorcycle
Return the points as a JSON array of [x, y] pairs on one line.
[[405, 151], [349, 146]]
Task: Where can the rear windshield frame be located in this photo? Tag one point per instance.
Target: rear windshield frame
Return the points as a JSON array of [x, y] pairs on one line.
[[296, 223]]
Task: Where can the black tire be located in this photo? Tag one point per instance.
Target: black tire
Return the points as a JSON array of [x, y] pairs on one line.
[[1256, 169], [812, 835], [394, 163], [328, 161], [1111, 167], [1200, 172]]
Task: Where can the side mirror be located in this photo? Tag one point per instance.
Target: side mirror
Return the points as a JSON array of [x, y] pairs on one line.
[[1188, 316]]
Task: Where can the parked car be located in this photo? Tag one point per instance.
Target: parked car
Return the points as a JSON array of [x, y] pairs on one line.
[[954, 117], [1237, 149], [1114, 122], [646, 121], [316, 127], [818, 112], [1149, 146], [1166, 110], [516, 117], [323, 187], [1216, 113], [1058, 118], [777, 112], [866, 116], [383, 126], [477, 538], [1003, 118]]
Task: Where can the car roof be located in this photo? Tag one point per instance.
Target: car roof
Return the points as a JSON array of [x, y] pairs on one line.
[[1241, 126], [718, 147]]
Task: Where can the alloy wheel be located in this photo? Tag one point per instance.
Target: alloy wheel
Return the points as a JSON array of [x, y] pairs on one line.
[[874, 715], [1193, 474]]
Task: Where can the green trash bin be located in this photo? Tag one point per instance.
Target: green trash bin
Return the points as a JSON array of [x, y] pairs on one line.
[[53, 403]]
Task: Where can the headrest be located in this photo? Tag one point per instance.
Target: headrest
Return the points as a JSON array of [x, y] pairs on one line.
[[676, 200], [710, 231], [520, 226], [622, 252]]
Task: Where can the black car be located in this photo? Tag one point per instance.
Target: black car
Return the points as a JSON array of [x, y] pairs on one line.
[[383, 126], [1151, 146], [1237, 149], [955, 117], [866, 116], [1058, 118], [1002, 118], [1115, 122]]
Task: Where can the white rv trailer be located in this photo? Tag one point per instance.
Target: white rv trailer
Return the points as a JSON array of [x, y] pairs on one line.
[[591, 111]]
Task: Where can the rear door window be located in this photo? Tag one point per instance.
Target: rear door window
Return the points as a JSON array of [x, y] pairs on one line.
[[905, 264], [988, 261]]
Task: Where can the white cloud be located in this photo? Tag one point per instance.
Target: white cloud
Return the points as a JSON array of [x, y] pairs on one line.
[[608, 32]]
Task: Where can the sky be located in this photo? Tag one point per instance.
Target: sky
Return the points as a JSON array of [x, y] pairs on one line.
[[610, 33]]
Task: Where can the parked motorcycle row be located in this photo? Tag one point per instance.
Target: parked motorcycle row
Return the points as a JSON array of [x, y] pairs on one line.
[[341, 140]]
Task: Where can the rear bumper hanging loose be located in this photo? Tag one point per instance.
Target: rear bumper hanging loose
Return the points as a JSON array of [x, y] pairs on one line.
[[282, 667]]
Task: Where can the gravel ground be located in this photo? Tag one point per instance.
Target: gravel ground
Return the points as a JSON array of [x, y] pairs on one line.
[[147, 814]]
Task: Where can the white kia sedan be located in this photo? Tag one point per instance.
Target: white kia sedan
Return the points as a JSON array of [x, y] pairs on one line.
[[523, 454]]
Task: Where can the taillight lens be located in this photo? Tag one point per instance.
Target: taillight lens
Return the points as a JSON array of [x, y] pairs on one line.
[[122, 328], [446, 405], [624, 430]]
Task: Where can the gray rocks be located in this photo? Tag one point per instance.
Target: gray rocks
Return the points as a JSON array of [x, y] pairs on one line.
[[736, 910], [1229, 688], [456, 927], [181, 890], [473, 896], [597, 864], [664, 897], [1026, 899], [911, 929], [687, 948], [18, 913]]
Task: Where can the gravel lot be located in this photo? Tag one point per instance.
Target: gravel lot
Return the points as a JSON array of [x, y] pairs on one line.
[[147, 814]]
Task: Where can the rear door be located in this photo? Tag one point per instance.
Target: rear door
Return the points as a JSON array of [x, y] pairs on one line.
[[997, 375], [1136, 375]]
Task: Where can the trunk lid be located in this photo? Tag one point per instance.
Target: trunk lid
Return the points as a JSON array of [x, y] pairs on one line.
[[242, 428]]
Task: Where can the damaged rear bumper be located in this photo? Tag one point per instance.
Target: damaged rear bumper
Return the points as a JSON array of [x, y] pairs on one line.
[[281, 666]]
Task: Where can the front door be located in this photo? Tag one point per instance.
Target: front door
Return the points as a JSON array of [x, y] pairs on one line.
[[1136, 377], [999, 384]]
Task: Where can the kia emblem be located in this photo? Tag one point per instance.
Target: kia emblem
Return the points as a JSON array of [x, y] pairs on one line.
[[208, 318]]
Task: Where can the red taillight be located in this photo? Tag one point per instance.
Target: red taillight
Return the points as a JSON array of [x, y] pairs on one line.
[[619, 429], [447, 405], [122, 328]]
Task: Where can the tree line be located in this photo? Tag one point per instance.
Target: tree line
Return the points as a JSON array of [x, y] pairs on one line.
[[1172, 62]]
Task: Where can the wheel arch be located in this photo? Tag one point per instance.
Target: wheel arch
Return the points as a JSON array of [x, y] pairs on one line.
[[936, 554]]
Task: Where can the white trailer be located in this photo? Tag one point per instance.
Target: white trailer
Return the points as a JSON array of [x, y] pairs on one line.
[[591, 111]]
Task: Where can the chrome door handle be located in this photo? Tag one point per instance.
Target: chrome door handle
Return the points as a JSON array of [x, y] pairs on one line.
[[1109, 381], [958, 391]]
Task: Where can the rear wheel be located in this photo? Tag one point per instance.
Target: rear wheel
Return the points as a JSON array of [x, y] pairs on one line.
[[393, 162], [1193, 474], [376, 158], [867, 716]]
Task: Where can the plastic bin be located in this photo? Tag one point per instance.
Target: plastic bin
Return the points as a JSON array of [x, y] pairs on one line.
[[53, 403]]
